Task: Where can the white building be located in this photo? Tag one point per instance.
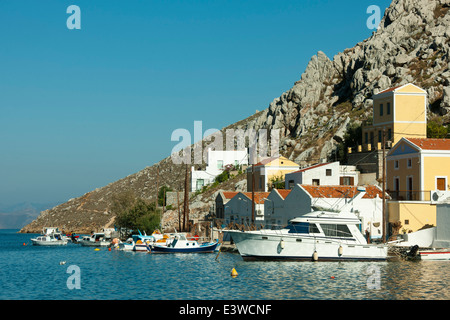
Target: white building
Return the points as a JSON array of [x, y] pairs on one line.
[[284, 205], [217, 160], [238, 209], [331, 174]]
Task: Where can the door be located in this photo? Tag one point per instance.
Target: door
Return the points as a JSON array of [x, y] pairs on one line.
[[409, 188]]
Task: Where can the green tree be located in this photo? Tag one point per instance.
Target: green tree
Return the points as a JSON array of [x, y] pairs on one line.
[[435, 129], [352, 138], [134, 213], [162, 197]]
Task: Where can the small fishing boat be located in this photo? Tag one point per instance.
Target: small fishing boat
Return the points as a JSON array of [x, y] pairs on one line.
[[127, 245], [50, 237], [95, 240], [436, 254], [180, 244]]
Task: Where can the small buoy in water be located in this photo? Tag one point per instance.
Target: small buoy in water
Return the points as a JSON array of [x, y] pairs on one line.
[[62, 262], [332, 277], [341, 250], [315, 256], [97, 249], [24, 244], [234, 273], [109, 249]]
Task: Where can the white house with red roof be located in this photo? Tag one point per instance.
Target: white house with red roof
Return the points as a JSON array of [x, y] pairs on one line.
[[284, 205]]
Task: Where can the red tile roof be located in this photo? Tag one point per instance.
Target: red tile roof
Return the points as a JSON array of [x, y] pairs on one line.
[[284, 193], [229, 194], [389, 90], [341, 191], [259, 196], [431, 144]]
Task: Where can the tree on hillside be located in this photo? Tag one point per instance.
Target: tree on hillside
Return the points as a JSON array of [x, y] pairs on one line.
[[133, 213]]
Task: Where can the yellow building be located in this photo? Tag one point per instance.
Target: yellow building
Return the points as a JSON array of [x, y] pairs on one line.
[[417, 174], [398, 112], [268, 170]]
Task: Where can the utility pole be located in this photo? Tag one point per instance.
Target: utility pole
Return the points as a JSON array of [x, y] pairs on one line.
[[253, 194], [157, 187], [186, 200], [384, 188]]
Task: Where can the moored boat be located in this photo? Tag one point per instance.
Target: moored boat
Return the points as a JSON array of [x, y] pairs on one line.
[[50, 237], [436, 254], [180, 244], [318, 235], [95, 240]]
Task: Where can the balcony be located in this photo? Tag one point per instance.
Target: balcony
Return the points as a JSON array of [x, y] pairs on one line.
[[410, 195]]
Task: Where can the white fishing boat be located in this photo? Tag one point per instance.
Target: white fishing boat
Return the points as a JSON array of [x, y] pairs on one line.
[[50, 237], [95, 240], [319, 235], [127, 245], [434, 254], [179, 243]]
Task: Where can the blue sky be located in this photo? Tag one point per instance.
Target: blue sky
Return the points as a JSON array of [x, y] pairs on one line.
[[82, 108]]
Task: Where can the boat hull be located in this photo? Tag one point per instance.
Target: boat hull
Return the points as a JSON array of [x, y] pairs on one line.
[[94, 243], [260, 246], [201, 249], [48, 243], [435, 255]]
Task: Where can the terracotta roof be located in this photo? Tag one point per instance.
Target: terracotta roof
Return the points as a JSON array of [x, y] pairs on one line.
[[229, 194], [430, 144], [312, 167], [284, 193], [389, 90], [341, 191], [259, 196]]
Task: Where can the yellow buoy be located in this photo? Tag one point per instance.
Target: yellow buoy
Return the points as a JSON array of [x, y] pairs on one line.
[[97, 249], [234, 273]]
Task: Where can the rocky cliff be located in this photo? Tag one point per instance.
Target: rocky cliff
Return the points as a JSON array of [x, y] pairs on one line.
[[410, 46]]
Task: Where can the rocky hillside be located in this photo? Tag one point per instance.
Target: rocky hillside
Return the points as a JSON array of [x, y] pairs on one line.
[[412, 45]]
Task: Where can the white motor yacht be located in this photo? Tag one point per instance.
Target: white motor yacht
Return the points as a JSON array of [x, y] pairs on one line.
[[318, 235]]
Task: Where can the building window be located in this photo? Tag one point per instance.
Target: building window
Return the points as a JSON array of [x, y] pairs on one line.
[[328, 172], [219, 164], [379, 136], [406, 221], [291, 184], [389, 134], [366, 137], [381, 109], [200, 183], [441, 184], [347, 181], [388, 108], [395, 164], [409, 163], [316, 182]]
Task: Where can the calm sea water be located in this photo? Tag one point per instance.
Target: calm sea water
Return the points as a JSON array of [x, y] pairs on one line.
[[34, 273]]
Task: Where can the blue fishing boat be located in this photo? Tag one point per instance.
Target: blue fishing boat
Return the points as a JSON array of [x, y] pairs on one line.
[[180, 244]]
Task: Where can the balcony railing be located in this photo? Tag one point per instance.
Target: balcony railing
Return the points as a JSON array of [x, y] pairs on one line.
[[410, 195]]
